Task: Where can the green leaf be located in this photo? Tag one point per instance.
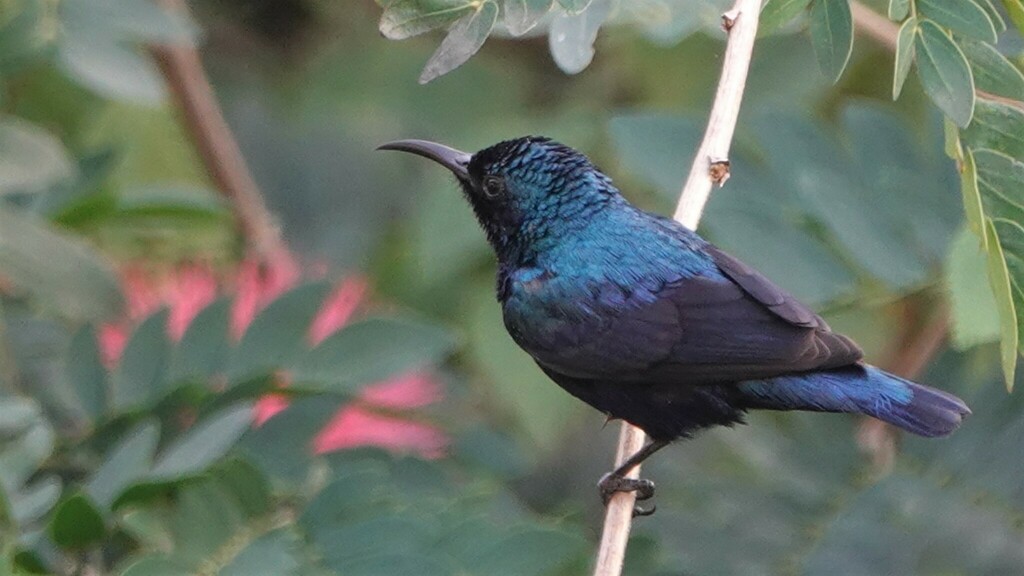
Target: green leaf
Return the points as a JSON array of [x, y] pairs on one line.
[[1015, 9], [464, 39], [861, 216], [571, 35], [172, 202], [140, 378], [944, 73], [370, 351], [126, 463], [16, 416], [962, 16], [999, 277], [832, 36], [528, 552], [522, 15], [76, 523], [909, 185], [203, 520], [155, 565], [111, 69], [951, 140], [973, 210], [993, 14], [975, 318], [407, 18], [86, 372], [21, 458], [33, 502], [997, 126], [898, 9], [276, 552], [22, 40], [999, 178], [664, 23], [203, 445], [247, 485], [101, 45], [151, 144], [282, 447], [777, 13], [145, 21], [204, 347], [278, 334], [904, 55], [377, 540], [147, 525], [60, 271], [574, 7], [992, 72], [31, 158]]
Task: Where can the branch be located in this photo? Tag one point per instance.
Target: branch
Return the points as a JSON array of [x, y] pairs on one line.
[[711, 166], [202, 117], [916, 352], [873, 24]]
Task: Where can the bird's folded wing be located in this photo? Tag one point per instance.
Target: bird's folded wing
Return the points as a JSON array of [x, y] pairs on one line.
[[778, 301], [697, 330]]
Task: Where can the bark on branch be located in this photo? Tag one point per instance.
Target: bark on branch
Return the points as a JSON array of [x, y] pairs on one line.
[[711, 166], [202, 117]]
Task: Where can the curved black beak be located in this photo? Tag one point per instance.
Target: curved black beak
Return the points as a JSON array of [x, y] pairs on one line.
[[452, 159]]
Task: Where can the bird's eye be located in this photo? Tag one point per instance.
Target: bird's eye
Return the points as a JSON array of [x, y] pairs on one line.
[[493, 186]]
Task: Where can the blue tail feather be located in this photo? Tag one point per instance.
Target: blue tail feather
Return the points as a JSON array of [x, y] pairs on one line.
[[861, 389]]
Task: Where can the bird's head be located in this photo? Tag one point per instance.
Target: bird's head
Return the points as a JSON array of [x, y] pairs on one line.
[[523, 190]]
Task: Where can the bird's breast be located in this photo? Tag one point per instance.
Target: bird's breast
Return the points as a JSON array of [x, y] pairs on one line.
[[526, 299], [547, 309]]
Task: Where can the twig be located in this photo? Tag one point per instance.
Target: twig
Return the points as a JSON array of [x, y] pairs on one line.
[[202, 117], [619, 517], [711, 166], [873, 24], [916, 352], [1001, 99]]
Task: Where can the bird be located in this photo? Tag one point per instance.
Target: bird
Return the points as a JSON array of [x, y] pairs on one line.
[[641, 318]]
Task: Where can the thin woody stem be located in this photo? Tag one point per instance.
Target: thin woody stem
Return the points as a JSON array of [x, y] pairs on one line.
[[202, 117], [711, 166], [875, 25]]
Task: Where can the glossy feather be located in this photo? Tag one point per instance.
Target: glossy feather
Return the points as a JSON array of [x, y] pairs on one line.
[[644, 320]]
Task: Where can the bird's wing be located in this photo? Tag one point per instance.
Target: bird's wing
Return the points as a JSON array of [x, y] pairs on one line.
[[696, 330], [781, 303]]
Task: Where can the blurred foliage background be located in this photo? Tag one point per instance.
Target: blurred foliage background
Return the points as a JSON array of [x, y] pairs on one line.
[[174, 401]]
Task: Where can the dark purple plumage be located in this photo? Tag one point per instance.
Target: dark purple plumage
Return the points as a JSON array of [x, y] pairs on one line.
[[642, 319]]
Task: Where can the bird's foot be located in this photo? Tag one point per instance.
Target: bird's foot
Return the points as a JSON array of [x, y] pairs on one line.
[[611, 483]]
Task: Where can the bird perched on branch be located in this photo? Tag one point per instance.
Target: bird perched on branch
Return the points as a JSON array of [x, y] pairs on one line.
[[644, 320]]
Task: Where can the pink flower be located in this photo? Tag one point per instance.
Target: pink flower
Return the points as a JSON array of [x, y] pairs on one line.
[[187, 289], [352, 427]]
